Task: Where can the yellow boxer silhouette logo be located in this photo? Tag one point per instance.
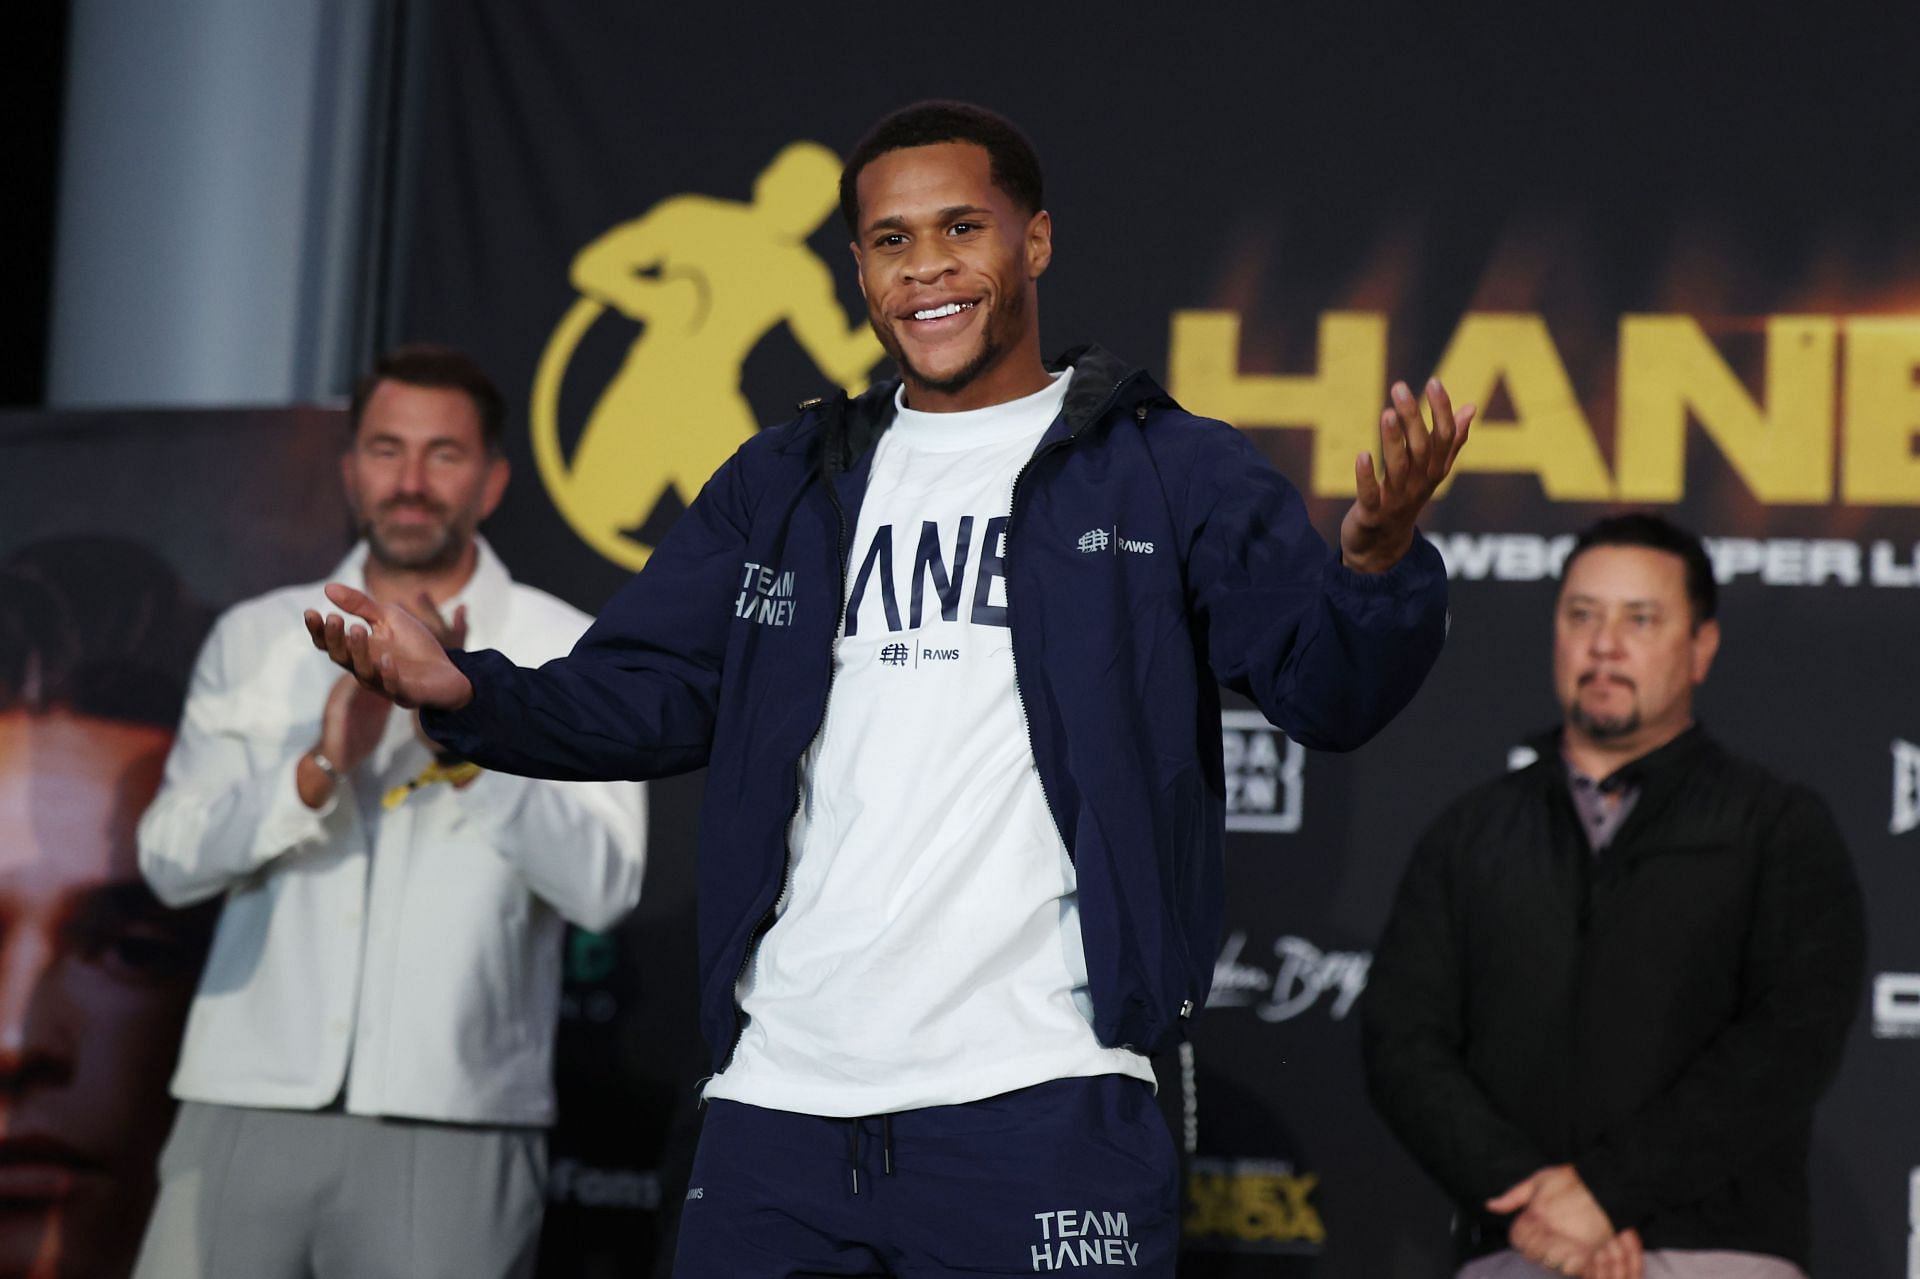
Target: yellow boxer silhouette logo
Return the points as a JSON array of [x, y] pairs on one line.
[[706, 279]]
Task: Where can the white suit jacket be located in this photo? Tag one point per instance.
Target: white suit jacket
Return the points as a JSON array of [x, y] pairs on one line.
[[412, 955]]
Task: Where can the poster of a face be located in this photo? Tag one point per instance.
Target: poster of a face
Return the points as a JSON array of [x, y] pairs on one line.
[[96, 637]]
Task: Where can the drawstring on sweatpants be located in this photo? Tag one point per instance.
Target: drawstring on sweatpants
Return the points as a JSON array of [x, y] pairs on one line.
[[853, 1147]]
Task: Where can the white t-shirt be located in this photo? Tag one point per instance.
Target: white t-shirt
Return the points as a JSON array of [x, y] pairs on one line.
[[927, 950]]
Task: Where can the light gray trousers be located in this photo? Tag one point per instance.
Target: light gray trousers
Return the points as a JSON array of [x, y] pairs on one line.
[[1664, 1263], [284, 1194]]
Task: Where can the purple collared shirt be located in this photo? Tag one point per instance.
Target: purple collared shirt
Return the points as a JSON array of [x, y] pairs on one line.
[[1602, 808]]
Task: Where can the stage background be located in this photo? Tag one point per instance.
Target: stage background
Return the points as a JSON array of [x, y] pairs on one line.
[[1675, 258]]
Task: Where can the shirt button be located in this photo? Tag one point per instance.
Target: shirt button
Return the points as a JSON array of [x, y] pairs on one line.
[[336, 1027]]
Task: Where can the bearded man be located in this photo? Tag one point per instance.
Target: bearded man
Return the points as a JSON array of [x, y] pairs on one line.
[[366, 1076]]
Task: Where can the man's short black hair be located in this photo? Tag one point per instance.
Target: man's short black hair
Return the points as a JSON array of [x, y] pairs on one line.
[[98, 625], [439, 367], [1656, 532], [1015, 165]]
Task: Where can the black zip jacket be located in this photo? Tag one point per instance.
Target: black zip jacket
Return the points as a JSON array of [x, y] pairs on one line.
[[1149, 554], [1663, 1016]]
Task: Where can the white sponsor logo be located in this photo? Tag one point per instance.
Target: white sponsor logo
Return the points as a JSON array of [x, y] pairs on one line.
[[571, 1181], [1502, 557], [1906, 788], [1071, 1238], [1264, 773], [1303, 974], [698, 1192], [1896, 1006], [1913, 1224], [766, 595], [1099, 539], [1772, 561]]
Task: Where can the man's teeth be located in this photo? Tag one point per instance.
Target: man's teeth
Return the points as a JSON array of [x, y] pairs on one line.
[[942, 312]]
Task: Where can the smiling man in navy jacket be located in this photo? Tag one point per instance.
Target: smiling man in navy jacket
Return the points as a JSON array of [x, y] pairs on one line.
[[950, 653]]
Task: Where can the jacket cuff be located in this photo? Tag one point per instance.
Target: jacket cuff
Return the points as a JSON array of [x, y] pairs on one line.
[[287, 823], [1601, 1171], [463, 731], [1416, 570]]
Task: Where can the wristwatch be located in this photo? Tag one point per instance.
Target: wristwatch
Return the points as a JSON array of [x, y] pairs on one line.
[[325, 765]]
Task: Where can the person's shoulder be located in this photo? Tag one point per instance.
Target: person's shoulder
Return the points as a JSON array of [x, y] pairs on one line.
[[1751, 785], [854, 419], [1494, 801], [545, 611], [1168, 421]]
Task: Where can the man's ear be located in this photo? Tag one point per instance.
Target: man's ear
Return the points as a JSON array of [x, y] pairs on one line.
[[347, 483], [1706, 643], [1039, 244], [499, 471], [859, 265]]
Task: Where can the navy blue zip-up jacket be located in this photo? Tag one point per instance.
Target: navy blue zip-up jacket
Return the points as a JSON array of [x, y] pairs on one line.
[[720, 653]]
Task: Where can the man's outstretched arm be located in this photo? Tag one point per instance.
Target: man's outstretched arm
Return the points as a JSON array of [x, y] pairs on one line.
[[1329, 647], [635, 699]]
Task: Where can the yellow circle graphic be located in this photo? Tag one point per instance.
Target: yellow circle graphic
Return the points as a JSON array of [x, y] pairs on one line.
[[706, 280]]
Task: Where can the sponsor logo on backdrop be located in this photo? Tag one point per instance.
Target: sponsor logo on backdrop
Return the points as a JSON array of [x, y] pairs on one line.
[[1906, 788], [1252, 1205], [1913, 1224], [1776, 561], [1264, 769], [1896, 1006], [1300, 977], [587, 1186], [591, 959], [704, 280], [1832, 422]]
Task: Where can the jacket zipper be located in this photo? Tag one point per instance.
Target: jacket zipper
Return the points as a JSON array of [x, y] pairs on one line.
[[1006, 558], [840, 560], [799, 794]]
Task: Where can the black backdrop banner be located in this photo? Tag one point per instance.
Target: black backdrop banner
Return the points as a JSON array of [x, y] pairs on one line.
[[1673, 260], [1666, 253]]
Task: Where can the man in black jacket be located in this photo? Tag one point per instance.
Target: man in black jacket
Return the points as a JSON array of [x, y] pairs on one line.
[[1615, 982]]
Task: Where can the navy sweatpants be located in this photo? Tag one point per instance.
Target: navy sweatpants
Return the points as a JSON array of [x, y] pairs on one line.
[[1072, 1177]]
